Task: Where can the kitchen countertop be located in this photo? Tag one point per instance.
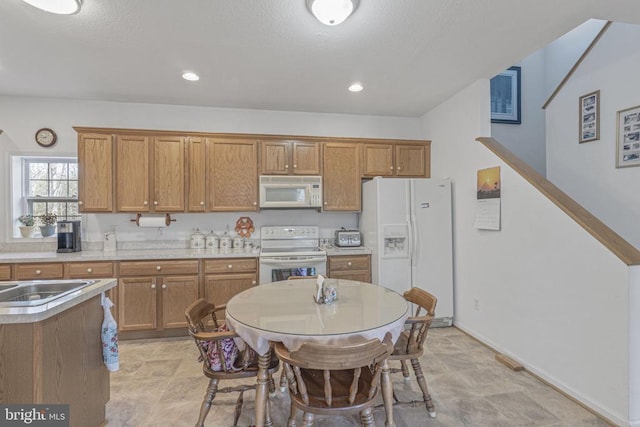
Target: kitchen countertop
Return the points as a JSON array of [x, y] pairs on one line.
[[41, 312], [127, 255], [336, 251]]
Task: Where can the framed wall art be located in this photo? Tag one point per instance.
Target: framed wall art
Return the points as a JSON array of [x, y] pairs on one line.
[[628, 138], [505, 97], [589, 117]]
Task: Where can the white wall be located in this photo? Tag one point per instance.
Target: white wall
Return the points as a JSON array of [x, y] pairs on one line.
[[21, 117], [549, 294], [527, 139], [587, 171]]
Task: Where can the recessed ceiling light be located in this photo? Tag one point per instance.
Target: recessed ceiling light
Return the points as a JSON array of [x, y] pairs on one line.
[[192, 77], [61, 7], [356, 87]]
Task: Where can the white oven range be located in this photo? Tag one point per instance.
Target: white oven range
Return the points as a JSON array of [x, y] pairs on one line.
[[290, 251]]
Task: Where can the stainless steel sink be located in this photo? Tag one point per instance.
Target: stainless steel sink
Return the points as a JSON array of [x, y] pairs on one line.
[[4, 287], [39, 292]]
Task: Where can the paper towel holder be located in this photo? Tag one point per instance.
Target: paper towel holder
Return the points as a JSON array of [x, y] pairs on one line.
[[167, 219]]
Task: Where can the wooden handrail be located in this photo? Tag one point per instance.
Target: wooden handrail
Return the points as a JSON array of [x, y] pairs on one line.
[[573, 69], [627, 253]]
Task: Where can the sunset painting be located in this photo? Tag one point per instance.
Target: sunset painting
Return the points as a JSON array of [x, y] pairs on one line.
[[489, 183]]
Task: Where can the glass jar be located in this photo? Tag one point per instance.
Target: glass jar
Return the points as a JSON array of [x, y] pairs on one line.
[[197, 240]]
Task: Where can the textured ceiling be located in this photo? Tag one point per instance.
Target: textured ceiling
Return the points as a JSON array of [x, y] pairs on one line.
[[272, 54]]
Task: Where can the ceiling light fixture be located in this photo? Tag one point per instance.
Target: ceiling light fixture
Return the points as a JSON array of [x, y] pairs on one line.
[[332, 12], [61, 7], [192, 77], [356, 87]]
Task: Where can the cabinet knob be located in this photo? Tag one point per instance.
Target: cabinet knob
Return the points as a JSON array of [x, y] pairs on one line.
[[286, 166], [164, 286], [230, 266], [325, 203], [391, 167], [38, 272], [398, 168], [158, 267], [155, 203], [145, 203], [253, 282], [295, 166], [89, 270], [80, 202], [201, 203], [153, 286], [255, 203], [349, 263]]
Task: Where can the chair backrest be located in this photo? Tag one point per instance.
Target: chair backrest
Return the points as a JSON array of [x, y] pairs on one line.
[[420, 323], [337, 376]]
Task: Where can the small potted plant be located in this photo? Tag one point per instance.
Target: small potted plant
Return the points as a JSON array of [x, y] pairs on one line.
[[27, 227], [48, 227]]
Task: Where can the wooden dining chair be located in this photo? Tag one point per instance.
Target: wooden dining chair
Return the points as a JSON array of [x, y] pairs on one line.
[[301, 277], [334, 379], [410, 345], [212, 338]]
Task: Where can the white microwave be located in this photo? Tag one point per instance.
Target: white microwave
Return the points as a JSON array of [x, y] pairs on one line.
[[278, 191]]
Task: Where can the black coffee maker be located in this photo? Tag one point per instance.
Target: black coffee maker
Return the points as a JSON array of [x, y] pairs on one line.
[[69, 236]]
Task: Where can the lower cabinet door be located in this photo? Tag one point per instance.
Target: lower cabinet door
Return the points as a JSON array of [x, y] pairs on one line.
[[177, 294], [137, 298], [219, 289]]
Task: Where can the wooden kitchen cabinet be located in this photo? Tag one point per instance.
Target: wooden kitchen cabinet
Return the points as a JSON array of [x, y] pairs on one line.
[[400, 160], [152, 295], [290, 158], [5, 271], [341, 176], [196, 174], [95, 174], [232, 174], [352, 267], [150, 173], [132, 173], [88, 270], [39, 271], [227, 277]]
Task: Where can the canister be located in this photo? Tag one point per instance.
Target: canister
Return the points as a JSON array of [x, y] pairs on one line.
[[238, 242], [225, 241], [212, 241], [197, 240]]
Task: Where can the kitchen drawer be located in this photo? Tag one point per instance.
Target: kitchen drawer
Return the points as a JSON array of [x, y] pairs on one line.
[[87, 270], [5, 271], [228, 265], [349, 263], [153, 268], [52, 270]]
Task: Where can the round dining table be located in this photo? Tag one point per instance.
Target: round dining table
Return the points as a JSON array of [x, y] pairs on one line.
[[287, 312]]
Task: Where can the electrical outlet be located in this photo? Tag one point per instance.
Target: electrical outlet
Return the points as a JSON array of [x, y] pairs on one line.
[[476, 304]]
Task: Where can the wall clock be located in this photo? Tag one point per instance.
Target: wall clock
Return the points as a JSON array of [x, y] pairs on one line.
[[46, 137]]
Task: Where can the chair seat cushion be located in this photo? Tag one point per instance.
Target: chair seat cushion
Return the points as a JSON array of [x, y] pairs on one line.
[[229, 352]]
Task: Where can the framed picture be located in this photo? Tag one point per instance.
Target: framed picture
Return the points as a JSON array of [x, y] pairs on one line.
[[505, 97], [628, 138], [589, 117]]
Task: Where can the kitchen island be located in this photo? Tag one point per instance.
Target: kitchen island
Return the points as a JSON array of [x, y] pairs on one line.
[[52, 354]]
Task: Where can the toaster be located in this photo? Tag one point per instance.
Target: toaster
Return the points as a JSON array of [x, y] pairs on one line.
[[348, 238]]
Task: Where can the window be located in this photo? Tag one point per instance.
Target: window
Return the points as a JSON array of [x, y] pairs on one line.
[[51, 185]]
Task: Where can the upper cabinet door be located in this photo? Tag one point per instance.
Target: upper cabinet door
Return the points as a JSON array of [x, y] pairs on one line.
[[289, 158], [341, 177], [305, 158], [196, 181], [168, 174], [413, 160], [95, 176], [232, 174], [132, 173], [377, 160]]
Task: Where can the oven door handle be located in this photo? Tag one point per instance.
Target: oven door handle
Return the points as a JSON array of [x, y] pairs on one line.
[[278, 261]]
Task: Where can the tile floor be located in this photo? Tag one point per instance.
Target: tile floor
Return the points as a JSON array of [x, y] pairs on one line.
[[160, 383]]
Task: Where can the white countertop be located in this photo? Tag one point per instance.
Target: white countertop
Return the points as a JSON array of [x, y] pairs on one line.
[[336, 251], [13, 257], [41, 312]]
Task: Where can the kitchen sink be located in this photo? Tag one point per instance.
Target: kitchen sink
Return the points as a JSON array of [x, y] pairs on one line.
[[4, 287], [39, 292]]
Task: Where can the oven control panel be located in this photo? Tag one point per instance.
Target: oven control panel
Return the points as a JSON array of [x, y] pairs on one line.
[[277, 232]]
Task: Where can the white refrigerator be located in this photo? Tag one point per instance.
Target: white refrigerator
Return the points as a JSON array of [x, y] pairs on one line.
[[407, 225]]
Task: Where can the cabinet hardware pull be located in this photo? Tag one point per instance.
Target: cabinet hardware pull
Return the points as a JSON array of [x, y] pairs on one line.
[[80, 202], [295, 166], [153, 286], [158, 267], [255, 203], [89, 270], [398, 168], [391, 167], [38, 272], [145, 203], [253, 282], [201, 203], [229, 266], [349, 263], [155, 203], [325, 203], [164, 286], [286, 166]]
